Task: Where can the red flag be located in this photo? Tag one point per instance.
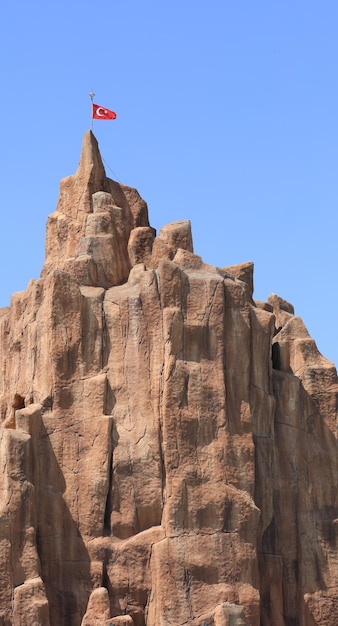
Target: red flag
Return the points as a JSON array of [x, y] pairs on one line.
[[101, 113]]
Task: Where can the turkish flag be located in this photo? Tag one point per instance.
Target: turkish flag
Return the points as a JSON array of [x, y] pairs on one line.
[[101, 113]]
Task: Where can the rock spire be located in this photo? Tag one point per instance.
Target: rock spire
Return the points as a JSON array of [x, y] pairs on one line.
[[168, 451]]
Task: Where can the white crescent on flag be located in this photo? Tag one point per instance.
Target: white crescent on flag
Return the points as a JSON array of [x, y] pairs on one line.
[[98, 111]]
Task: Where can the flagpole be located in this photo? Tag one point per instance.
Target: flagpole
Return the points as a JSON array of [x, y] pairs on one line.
[[91, 95]]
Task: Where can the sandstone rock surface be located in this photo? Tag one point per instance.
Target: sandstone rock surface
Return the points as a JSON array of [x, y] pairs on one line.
[[168, 446]]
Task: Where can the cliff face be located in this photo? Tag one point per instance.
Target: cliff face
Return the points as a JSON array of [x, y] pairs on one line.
[[168, 450]]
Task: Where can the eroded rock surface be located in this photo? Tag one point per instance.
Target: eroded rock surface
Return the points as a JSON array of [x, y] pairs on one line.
[[168, 450]]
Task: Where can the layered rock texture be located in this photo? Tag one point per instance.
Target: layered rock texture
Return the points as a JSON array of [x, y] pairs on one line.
[[168, 449]]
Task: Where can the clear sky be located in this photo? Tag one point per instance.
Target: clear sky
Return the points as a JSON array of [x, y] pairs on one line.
[[226, 115]]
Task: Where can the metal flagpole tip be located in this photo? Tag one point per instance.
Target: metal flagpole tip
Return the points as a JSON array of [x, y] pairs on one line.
[[91, 95]]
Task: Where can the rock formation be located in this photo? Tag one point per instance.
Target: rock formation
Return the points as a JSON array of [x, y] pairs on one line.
[[168, 445]]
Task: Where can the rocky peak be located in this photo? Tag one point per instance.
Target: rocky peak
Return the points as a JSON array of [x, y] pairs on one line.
[[89, 231], [168, 450]]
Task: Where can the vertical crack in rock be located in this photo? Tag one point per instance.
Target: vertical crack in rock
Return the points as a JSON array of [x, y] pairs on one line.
[[187, 588], [109, 503], [105, 339]]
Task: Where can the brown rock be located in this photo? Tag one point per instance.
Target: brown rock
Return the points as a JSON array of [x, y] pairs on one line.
[[140, 245], [170, 239], [98, 608], [120, 620], [175, 457], [244, 272], [282, 309], [88, 234], [30, 604]]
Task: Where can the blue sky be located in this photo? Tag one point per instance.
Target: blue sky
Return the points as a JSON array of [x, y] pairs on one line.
[[226, 115]]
